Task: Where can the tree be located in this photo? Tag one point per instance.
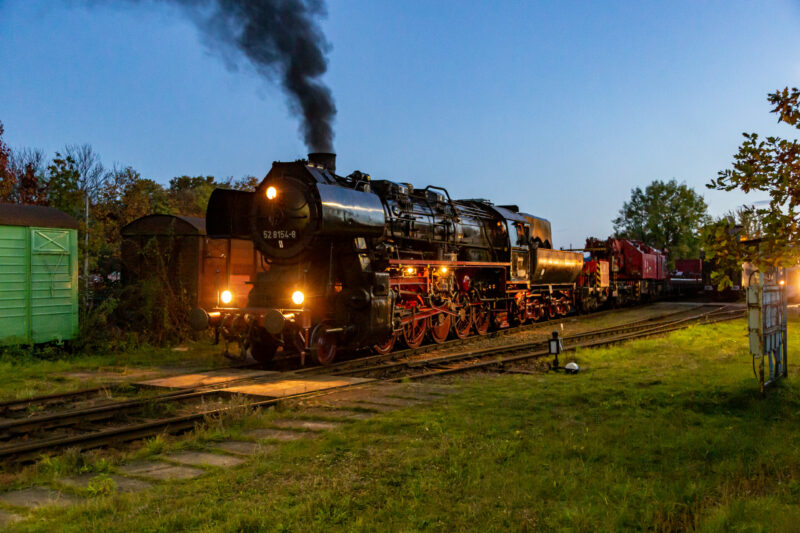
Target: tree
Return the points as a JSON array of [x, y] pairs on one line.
[[123, 197], [666, 215], [29, 176], [7, 178], [247, 183], [91, 177], [189, 195], [62, 185], [771, 165]]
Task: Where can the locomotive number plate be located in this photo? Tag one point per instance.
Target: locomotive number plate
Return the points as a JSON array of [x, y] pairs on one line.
[[279, 234]]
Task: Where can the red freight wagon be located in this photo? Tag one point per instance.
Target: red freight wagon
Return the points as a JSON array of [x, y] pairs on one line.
[[687, 278], [689, 268], [635, 260]]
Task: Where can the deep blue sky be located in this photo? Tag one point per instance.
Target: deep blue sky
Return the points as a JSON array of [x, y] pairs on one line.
[[560, 107]]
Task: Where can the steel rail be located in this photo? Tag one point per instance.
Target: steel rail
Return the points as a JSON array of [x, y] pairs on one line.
[[21, 403]]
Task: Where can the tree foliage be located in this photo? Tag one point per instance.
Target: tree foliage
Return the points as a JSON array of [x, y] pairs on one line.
[[247, 183], [62, 185], [6, 177], [770, 165], [666, 215], [189, 195]]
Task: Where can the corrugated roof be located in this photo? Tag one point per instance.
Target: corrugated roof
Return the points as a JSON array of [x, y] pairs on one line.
[[36, 216], [166, 225]]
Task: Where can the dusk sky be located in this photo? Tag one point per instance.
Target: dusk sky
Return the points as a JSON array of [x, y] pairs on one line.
[[559, 107]]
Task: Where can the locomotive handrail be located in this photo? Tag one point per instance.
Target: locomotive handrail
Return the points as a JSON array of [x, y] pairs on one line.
[[449, 200], [438, 262]]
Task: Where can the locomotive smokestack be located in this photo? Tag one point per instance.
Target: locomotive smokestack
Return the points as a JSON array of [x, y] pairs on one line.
[[326, 160]]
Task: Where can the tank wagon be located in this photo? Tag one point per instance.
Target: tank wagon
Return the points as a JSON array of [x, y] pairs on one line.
[[357, 263], [38, 275]]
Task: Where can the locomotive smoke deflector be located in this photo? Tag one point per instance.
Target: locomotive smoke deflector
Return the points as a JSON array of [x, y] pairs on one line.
[[228, 214]]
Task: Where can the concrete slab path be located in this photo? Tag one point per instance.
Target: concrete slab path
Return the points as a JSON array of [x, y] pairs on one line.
[[160, 471], [337, 414], [239, 447], [312, 425], [36, 497], [193, 458], [123, 484], [276, 434]]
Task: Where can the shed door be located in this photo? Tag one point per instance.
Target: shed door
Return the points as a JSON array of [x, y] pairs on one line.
[[14, 318], [54, 284]]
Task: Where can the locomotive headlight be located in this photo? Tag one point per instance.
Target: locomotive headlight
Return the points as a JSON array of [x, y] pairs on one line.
[[298, 297], [272, 192], [226, 297]]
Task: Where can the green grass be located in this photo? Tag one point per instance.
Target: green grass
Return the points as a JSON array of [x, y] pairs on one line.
[[667, 434]]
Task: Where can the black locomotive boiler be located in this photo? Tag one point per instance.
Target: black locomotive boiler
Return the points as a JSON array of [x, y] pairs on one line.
[[356, 263]]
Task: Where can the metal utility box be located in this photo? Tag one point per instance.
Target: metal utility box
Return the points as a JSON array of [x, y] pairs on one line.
[[38, 275], [197, 266]]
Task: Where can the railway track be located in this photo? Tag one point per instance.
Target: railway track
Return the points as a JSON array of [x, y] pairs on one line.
[[19, 407], [533, 349], [342, 367], [510, 354], [25, 439]]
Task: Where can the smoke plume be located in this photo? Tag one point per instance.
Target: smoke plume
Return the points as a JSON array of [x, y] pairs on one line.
[[282, 39]]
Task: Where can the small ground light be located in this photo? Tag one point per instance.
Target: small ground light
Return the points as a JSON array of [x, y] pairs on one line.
[[555, 348], [226, 297]]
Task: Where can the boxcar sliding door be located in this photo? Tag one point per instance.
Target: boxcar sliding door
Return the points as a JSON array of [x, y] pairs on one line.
[[54, 284]]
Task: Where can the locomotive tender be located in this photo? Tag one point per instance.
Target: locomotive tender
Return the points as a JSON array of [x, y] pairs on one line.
[[356, 263]]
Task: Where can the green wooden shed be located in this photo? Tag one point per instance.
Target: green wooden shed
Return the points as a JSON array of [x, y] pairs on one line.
[[38, 275]]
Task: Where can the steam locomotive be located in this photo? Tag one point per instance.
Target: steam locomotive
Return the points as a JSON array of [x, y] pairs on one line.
[[355, 263]]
